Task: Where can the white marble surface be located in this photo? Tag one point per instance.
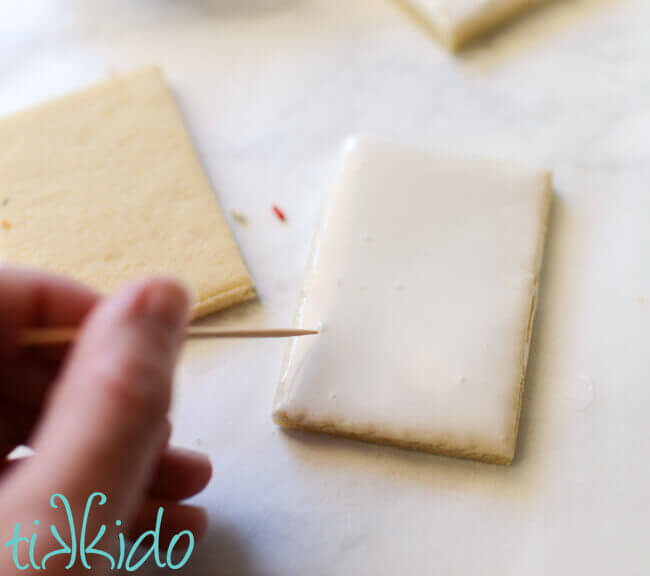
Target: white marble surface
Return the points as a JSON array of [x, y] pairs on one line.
[[269, 89]]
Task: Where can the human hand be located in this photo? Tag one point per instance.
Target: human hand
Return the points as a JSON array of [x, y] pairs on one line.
[[95, 414]]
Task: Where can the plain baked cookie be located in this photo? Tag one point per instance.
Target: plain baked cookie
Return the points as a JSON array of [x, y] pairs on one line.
[[423, 283], [105, 186]]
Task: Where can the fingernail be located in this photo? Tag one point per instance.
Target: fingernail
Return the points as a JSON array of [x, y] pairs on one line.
[[167, 303], [196, 455]]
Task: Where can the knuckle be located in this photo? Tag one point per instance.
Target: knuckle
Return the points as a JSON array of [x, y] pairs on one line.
[[138, 385]]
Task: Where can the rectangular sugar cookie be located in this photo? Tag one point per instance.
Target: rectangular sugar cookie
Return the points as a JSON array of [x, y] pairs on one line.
[[105, 186], [457, 22], [424, 281]]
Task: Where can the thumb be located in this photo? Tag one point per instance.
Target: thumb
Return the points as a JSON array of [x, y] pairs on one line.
[[106, 421]]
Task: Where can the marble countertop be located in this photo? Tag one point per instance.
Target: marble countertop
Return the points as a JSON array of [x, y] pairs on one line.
[[269, 89]]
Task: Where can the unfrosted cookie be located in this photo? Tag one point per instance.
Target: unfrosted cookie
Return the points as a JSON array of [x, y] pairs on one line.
[[105, 186], [423, 282], [457, 22]]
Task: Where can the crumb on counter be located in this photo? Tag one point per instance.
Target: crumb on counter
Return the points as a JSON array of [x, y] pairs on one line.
[[6, 225], [279, 213], [5, 201], [239, 217]]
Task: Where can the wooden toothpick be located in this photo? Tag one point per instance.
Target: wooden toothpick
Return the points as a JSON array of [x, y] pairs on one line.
[[57, 336]]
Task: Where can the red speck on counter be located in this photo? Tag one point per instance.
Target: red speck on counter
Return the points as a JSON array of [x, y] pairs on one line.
[[279, 213]]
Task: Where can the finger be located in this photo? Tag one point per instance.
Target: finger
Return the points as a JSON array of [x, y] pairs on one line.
[[24, 382], [175, 518], [9, 464], [16, 424], [29, 298], [105, 424], [181, 474], [26, 379]]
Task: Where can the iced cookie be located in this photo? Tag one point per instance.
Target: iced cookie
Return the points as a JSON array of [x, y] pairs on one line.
[[424, 283], [457, 22]]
